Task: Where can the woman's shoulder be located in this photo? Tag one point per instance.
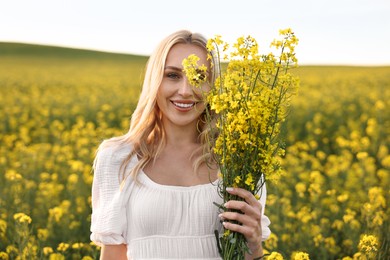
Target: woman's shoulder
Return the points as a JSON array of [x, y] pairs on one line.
[[113, 152], [108, 161], [109, 158]]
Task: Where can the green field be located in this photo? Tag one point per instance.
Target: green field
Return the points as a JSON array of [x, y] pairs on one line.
[[58, 104]]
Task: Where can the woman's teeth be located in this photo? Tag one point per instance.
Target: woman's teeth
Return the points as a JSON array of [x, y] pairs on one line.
[[183, 105]]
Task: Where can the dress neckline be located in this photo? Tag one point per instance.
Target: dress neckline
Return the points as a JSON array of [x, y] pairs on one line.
[[144, 178]]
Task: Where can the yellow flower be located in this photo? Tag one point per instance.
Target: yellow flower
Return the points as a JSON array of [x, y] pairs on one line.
[[195, 73], [3, 228], [11, 249], [47, 250], [386, 161], [42, 234], [275, 256], [271, 242], [368, 244], [77, 245], [56, 213], [74, 225], [249, 181], [300, 188], [318, 239], [12, 175], [56, 256], [362, 155], [349, 215], [285, 31], [300, 256], [62, 247], [73, 179], [4, 256], [375, 195], [226, 233], [330, 245], [342, 198], [359, 256], [22, 218], [94, 245], [338, 224]]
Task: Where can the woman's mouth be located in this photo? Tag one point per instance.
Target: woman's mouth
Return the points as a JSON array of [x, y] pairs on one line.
[[183, 105]]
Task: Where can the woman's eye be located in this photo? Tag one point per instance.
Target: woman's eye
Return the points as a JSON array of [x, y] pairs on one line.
[[173, 75]]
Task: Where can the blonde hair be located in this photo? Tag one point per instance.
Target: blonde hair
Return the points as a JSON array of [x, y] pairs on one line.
[[146, 134]]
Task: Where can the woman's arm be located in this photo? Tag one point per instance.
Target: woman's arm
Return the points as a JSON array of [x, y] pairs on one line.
[[111, 252]]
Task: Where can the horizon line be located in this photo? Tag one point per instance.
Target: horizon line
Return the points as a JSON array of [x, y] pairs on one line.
[[341, 64]]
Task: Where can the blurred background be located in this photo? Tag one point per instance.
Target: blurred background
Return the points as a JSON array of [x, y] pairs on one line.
[[70, 76]]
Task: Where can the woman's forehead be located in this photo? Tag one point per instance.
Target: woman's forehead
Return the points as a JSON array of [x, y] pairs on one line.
[[181, 51]]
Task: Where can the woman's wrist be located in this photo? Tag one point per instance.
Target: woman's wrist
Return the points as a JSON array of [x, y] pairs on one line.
[[256, 252]]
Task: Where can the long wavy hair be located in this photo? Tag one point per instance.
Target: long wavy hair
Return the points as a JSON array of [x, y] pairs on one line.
[[146, 134]]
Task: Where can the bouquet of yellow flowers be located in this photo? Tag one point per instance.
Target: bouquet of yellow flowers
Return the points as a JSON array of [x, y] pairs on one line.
[[250, 100]]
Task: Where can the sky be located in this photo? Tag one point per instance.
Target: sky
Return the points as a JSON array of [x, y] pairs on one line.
[[330, 32]]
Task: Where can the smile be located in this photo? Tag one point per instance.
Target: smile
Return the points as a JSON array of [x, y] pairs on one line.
[[183, 105]]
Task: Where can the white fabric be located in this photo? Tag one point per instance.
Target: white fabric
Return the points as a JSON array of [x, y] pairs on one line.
[[155, 221]]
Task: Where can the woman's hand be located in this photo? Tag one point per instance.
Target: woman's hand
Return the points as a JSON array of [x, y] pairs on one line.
[[250, 219]]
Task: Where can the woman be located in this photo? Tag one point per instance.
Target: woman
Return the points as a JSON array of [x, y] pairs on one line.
[[154, 187]]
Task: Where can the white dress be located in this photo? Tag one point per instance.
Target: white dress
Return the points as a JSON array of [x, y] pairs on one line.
[[155, 221]]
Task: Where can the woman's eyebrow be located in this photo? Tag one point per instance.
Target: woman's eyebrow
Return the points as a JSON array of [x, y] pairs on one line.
[[173, 68], [180, 69]]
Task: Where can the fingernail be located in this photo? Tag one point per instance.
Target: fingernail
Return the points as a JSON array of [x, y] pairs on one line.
[[229, 189], [220, 215]]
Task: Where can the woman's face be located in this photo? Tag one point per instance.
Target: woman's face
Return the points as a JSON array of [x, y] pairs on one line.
[[180, 103]]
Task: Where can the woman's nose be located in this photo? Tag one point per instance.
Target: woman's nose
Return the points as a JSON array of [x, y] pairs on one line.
[[185, 89]]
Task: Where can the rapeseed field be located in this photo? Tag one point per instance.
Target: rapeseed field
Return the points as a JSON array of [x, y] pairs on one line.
[[57, 105]]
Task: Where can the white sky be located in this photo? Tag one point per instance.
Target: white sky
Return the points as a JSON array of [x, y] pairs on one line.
[[349, 32]]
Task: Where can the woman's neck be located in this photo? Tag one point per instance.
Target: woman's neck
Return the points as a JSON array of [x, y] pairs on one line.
[[181, 136]]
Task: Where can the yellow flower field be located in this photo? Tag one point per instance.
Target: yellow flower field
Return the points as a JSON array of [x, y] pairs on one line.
[[57, 105]]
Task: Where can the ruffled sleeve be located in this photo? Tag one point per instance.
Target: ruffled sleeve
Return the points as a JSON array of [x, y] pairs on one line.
[[265, 222], [109, 199]]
